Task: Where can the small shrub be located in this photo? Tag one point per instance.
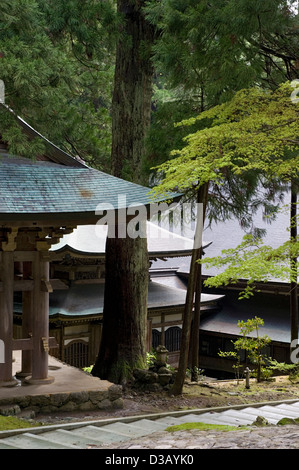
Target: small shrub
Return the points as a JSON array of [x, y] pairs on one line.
[[254, 347]]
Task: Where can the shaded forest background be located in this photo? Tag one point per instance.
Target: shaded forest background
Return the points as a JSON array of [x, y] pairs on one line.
[[108, 80]]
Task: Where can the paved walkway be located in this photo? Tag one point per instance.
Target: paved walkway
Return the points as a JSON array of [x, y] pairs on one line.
[[150, 432], [66, 379], [268, 437]]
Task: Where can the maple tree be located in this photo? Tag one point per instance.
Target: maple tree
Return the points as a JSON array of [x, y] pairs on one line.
[[257, 131]]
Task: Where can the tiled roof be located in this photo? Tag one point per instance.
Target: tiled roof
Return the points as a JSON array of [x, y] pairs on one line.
[[32, 188], [272, 308], [59, 185], [88, 299]]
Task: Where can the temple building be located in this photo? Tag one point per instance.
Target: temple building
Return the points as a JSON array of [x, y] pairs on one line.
[[41, 201], [76, 309], [52, 271]]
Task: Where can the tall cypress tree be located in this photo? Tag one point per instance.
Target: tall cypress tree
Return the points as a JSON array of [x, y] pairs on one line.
[[123, 344]]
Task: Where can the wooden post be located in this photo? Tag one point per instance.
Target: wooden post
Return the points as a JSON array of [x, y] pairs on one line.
[[6, 318], [27, 309], [40, 320]]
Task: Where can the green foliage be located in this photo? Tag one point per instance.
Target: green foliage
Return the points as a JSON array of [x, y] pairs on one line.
[[88, 369], [288, 421], [253, 345], [237, 357], [50, 77], [292, 370], [195, 372], [203, 427], [169, 107], [255, 131], [12, 422], [221, 47], [150, 358], [208, 51], [255, 262]]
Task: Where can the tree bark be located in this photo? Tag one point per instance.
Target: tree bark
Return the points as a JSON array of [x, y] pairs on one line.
[[194, 353], [123, 344], [131, 105], [177, 387]]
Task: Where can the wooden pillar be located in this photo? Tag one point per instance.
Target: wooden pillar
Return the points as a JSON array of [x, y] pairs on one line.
[[40, 320], [27, 309], [6, 318]]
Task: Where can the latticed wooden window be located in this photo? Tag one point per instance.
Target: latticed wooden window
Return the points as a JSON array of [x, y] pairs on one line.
[[76, 354], [173, 338], [156, 338]]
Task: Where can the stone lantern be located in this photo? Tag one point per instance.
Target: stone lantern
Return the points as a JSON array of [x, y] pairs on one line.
[[161, 354]]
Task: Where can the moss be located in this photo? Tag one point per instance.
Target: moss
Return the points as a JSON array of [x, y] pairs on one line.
[[11, 422], [123, 370], [285, 421], [204, 427]]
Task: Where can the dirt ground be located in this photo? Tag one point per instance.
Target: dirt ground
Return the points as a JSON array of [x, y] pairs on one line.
[[203, 394]]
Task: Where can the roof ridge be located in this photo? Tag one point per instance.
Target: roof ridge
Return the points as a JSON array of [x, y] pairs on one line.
[[55, 154]]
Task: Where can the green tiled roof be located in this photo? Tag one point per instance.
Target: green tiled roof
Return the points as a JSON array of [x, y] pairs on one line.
[[33, 188]]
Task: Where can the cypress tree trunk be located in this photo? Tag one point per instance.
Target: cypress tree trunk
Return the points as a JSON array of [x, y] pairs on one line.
[[123, 343], [131, 105], [125, 309]]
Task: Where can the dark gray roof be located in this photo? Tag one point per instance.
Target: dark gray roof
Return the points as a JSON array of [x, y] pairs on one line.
[[88, 299], [31, 189], [274, 310]]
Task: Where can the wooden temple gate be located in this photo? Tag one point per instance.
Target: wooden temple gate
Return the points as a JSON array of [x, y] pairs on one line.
[[40, 201], [24, 267]]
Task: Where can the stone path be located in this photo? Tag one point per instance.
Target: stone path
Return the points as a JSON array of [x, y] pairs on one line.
[[149, 432], [268, 437]]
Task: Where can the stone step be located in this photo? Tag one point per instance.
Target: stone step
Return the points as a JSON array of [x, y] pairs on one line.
[[276, 412], [168, 421], [73, 438], [253, 413], [187, 418], [240, 416], [229, 420], [6, 445], [272, 413], [149, 425], [207, 418], [88, 436], [99, 434], [294, 404], [34, 441], [212, 418], [294, 408], [128, 430]]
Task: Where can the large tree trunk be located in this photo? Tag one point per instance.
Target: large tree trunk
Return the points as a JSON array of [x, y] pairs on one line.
[[126, 286], [125, 309], [131, 106]]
